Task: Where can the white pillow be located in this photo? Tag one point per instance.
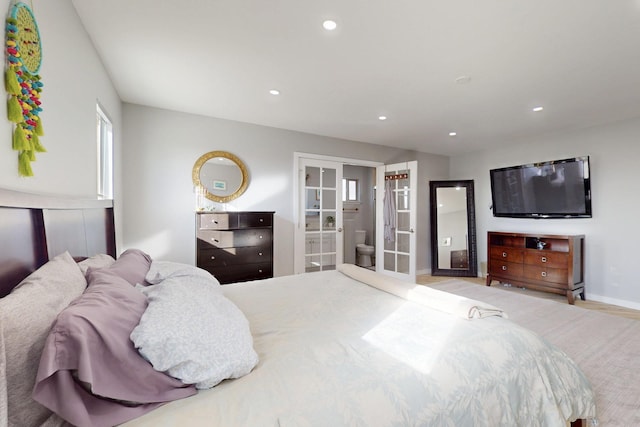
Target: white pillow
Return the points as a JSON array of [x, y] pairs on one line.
[[161, 270], [194, 333]]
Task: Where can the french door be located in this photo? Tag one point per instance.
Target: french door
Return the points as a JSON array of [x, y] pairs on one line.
[[319, 236], [396, 206], [319, 232]]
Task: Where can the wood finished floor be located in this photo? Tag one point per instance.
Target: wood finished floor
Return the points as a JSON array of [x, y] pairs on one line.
[[590, 305]]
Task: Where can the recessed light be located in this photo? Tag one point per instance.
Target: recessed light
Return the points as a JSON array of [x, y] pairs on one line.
[[536, 109], [382, 117], [329, 25], [274, 92], [453, 133]]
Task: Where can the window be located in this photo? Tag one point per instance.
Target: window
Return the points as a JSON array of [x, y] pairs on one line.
[[105, 155], [349, 190]]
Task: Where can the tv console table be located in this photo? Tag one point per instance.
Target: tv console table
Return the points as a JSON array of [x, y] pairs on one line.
[[543, 262]]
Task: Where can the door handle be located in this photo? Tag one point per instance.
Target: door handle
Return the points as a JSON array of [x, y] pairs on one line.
[[411, 230], [340, 230]]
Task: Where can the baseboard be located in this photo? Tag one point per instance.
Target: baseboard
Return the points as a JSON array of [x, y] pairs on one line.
[[423, 272], [614, 301]]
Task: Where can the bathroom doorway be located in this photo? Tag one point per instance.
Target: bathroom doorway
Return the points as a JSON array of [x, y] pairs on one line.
[[387, 216], [359, 214]]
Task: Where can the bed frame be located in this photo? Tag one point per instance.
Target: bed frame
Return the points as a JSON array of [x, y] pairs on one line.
[[35, 228]]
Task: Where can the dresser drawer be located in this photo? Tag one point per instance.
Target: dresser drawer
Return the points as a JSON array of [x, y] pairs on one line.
[[545, 274], [217, 221], [242, 273], [254, 219], [234, 238], [233, 256], [505, 269], [506, 254], [546, 259]]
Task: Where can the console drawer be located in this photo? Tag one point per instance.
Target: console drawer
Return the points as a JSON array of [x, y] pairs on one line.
[[545, 274], [506, 254], [505, 269], [546, 259]]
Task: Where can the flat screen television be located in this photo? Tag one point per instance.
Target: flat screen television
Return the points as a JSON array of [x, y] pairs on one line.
[[553, 189]]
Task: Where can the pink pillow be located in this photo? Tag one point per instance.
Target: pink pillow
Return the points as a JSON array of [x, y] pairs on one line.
[[89, 348], [132, 265]]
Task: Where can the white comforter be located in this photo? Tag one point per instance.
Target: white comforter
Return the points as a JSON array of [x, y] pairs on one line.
[[337, 352]]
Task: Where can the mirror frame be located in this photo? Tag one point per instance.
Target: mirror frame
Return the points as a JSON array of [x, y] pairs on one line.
[[195, 175], [472, 271]]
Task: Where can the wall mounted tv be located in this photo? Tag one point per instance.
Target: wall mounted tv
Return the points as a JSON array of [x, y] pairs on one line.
[[554, 189]]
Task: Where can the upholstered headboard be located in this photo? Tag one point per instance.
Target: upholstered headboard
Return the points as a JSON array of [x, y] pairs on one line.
[[35, 228]]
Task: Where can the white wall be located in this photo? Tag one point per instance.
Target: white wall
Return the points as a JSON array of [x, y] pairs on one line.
[[611, 236], [162, 146], [74, 79]]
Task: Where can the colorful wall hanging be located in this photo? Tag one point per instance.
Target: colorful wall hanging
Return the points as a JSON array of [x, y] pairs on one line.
[[22, 81]]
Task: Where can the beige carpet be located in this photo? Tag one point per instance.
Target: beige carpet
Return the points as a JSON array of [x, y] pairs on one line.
[[606, 347]]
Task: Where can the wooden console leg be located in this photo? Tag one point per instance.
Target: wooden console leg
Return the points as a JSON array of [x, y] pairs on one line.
[[488, 280], [570, 298]]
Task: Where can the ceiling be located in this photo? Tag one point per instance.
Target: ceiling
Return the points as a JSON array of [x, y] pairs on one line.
[[474, 67]]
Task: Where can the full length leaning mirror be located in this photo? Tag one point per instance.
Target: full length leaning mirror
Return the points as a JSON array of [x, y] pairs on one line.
[[453, 229], [221, 176]]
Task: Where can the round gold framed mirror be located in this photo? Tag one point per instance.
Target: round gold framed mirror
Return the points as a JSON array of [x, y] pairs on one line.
[[222, 176]]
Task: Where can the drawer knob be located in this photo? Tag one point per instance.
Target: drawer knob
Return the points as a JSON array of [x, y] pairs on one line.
[[261, 237], [544, 274], [215, 240], [504, 254], [504, 268], [213, 257], [214, 221], [261, 220], [260, 253], [543, 259], [260, 271]]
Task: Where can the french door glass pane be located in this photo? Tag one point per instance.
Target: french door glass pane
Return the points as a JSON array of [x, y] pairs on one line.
[[403, 221], [390, 261], [328, 178], [403, 242], [403, 264]]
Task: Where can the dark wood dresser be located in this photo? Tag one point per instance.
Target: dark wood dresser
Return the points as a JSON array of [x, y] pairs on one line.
[[542, 262], [235, 246], [460, 259]]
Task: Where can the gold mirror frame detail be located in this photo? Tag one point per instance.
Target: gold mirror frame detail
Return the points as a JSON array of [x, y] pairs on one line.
[[195, 175]]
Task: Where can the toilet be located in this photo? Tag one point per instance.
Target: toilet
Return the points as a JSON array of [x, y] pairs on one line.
[[363, 252]]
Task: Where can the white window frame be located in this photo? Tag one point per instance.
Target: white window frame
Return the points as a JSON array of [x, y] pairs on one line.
[[104, 130], [349, 196]]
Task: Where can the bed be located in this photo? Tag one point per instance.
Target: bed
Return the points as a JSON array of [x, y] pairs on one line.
[[346, 347]]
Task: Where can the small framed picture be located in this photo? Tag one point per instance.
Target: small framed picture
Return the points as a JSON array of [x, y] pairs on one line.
[[219, 185], [446, 241]]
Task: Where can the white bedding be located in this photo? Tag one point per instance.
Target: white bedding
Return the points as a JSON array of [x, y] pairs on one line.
[[336, 352]]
